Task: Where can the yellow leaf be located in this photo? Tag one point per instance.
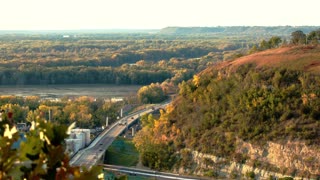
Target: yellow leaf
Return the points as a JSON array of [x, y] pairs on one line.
[[8, 133]]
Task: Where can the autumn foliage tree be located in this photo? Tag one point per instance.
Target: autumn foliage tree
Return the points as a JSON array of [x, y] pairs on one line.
[[152, 93], [155, 147], [298, 37], [273, 42], [314, 37]]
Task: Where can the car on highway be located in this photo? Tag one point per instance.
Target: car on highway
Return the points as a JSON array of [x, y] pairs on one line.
[[123, 122]]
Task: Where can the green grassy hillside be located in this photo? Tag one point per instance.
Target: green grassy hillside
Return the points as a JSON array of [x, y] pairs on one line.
[[122, 152]]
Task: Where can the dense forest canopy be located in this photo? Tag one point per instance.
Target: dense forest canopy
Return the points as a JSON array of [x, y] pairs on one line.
[[138, 57], [80, 60]]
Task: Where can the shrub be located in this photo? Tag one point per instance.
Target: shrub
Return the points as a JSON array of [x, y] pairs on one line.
[[250, 175]]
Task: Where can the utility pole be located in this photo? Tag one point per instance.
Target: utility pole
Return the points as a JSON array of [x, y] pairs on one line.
[[10, 117], [127, 125], [107, 121], [2, 111], [50, 115]]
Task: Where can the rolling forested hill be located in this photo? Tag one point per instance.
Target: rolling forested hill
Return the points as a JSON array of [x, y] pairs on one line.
[[267, 97], [244, 30], [271, 95]]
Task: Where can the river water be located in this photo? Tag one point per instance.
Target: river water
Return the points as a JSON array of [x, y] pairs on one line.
[[59, 91]]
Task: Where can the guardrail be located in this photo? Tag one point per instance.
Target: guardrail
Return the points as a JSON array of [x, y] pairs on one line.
[[149, 173]]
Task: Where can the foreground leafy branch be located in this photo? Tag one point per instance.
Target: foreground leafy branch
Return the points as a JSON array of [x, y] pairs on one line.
[[39, 154]]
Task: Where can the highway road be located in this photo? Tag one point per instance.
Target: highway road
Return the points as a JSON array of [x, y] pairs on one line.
[[95, 151]]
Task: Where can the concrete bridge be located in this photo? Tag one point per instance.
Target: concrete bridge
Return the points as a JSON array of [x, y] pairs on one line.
[[94, 153]]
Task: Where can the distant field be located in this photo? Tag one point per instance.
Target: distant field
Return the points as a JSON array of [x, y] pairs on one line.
[[58, 91]]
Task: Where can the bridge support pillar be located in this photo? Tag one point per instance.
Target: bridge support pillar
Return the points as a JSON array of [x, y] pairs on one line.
[[103, 157]]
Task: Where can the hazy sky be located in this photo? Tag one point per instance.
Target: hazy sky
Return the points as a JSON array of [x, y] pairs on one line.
[[150, 14]]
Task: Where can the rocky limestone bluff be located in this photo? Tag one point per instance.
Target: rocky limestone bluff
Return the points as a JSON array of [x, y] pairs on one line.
[[294, 159]]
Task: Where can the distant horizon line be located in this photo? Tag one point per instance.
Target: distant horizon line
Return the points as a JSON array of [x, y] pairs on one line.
[[153, 29]]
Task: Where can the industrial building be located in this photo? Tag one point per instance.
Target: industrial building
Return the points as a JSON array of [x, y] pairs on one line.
[[78, 139]]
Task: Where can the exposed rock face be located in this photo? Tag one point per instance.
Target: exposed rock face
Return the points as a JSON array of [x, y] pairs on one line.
[[294, 156], [272, 160]]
